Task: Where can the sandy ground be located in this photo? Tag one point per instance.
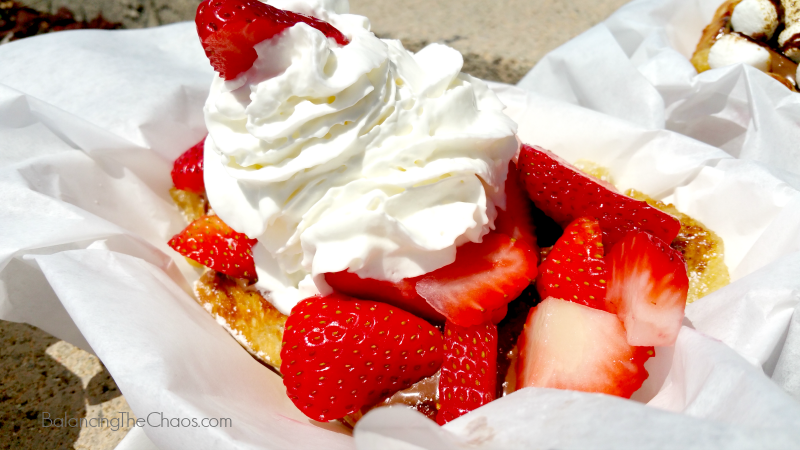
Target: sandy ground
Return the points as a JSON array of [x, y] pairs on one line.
[[500, 39]]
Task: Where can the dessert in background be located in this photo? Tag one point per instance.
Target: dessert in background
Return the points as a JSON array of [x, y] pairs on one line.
[[368, 224], [764, 34]]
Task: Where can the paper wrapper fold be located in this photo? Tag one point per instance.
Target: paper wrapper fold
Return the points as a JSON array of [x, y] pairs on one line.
[[90, 122], [635, 66]]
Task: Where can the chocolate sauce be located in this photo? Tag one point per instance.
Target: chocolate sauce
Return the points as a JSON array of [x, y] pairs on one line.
[[780, 64], [778, 8], [508, 331]]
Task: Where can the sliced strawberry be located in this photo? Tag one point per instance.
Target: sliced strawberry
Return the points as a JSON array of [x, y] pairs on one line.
[[566, 345], [212, 243], [187, 171], [340, 354], [647, 288], [574, 269], [476, 288], [516, 220], [229, 29], [402, 294], [469, 370], [565, 194], [472, 290]]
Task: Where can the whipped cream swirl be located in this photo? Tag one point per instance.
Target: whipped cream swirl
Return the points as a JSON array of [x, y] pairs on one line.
[[363, 157]]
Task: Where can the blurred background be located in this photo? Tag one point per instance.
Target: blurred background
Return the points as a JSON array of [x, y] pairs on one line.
[[500, 39]]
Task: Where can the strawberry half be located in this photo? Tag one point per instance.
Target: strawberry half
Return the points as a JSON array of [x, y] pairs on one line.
[[402, 294], [469, 370], [471, 291], [647, 289], [566, 345], [574, 268], [565, 194], [516, 220], [212, 243], [476, 288], [228, 30], [340, 354], [187, 171]]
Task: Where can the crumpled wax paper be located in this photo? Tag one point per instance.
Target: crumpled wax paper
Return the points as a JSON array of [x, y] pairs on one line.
[[635, 66], [90, 122]]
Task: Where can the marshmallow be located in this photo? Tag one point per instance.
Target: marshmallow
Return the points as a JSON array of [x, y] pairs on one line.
[[755, 18], [790, 35], [735, 49], [791, 12]]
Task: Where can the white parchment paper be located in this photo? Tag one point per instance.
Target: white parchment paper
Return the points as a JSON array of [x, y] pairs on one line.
[[90, 122], [635, 66]]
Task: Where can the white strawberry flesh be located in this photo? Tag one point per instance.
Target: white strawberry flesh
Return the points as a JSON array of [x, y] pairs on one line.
[[566, 345], [647, 288]]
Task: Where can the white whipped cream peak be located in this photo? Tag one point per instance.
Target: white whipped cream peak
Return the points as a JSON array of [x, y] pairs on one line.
[[735, 49], [755, 18], [363, 157]]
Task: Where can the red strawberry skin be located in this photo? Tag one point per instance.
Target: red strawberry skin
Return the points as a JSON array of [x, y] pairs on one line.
[[516, 220], [566, 345], [473, 290], [469, 370], [647, 289], [187, 171], [211, 242], [228, 30], [574, 269], [340, 354], [565, 194], [477, 287], [402, 294]]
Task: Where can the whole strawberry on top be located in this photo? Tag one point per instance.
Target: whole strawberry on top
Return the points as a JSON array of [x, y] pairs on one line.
[[229, 29], [340, 354]]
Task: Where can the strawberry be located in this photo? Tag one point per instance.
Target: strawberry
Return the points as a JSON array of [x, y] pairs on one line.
[[212, 243], [469, 370], [566, 345], [472, 290], [187, 171], [402, 294], [647, 288], [565, 194], [476, 288], [516, 220], [228, 30], [340, 354], [574, 268]]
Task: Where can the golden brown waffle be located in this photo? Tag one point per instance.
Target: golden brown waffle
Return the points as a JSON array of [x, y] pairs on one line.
[[248, 316], [192, 206], [702, 248]]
